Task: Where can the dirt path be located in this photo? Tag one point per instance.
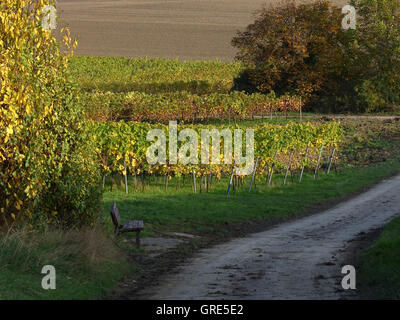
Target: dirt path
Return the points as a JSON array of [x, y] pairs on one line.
[[295, 260]]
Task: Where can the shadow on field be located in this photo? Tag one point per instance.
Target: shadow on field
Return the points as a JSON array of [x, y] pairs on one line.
[[193, 86]]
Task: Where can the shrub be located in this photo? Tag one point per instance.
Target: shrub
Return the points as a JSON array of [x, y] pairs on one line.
[[290, 48], [48, 169], [303, 49], [378, 54]]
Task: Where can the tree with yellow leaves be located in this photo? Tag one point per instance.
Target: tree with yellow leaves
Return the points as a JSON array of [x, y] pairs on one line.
[[48, 170]]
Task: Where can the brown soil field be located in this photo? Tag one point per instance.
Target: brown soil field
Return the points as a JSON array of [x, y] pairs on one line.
[[182, 29]]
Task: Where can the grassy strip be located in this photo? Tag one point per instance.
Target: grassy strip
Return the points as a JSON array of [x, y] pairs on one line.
[[153, 75], [380, 270], [213, 212], [87, 264]]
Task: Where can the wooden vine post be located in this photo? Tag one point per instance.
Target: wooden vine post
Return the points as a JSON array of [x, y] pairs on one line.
[[254, 172], [125, 177], [194, 181], [231, 179], [271, 170], [288, 167], [318, 162], [330, 160], [302, 168]]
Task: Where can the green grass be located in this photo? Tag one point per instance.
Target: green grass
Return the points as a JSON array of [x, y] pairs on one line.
[[153, 75], [380, 271], [184, 211], [87, 264], [275, 119]]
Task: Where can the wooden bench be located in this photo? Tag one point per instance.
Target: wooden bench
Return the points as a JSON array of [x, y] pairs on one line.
[[128, 226]]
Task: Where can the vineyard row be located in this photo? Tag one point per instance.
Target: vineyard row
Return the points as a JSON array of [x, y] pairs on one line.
[[184, 106], [122, 146]]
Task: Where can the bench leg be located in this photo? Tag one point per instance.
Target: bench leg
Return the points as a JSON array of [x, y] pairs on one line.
[[138, 239]]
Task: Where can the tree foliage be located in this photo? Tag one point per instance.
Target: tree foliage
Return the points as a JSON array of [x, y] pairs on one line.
[[303, 49], [47, 164], [291, 47], [377, 52]]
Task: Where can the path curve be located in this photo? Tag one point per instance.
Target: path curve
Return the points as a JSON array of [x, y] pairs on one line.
[[294, 260]]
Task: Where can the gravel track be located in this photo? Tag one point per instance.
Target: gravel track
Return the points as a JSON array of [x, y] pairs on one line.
[[301, 259]]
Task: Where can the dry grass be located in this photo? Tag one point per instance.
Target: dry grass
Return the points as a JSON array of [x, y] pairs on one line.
[[88, 245], [87, 262]]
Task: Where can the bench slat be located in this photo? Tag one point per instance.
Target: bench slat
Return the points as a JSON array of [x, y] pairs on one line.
[[132, 224]]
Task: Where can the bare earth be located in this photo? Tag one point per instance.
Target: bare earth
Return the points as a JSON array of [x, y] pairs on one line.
[[295, 260], [184, 29]]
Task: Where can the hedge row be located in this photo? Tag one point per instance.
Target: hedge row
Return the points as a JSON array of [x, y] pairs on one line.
[[119, 142], [184, 106]]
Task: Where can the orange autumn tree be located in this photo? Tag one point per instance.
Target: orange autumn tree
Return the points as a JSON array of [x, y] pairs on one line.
[[294, 49], [48, 170]]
